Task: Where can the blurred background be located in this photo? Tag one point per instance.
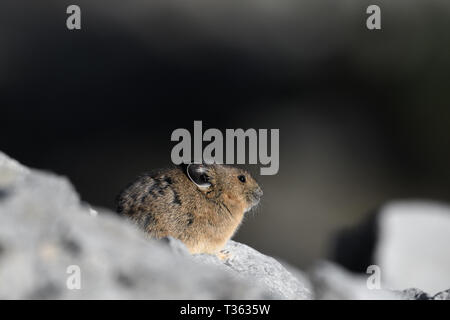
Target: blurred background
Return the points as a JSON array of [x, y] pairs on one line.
[[364, 116]]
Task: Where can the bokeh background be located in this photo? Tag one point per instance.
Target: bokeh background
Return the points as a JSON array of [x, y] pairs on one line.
[[364, 116]]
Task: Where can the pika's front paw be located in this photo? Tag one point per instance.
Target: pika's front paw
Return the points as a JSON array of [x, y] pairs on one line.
[[224, 255]]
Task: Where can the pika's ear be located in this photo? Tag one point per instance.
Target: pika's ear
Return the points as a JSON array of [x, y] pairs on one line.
[[198, 173]]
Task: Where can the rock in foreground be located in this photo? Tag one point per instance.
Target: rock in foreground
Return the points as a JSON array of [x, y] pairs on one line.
[[47, 235], [248, 263]]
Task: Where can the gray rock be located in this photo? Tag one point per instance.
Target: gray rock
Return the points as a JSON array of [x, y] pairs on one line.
[[45, 229], [299, 275], [444, 295], [332, 282], [413, 294], [249, 264], [417, 294]]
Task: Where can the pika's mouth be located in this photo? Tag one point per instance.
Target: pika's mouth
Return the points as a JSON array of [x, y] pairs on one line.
[[254, 198]]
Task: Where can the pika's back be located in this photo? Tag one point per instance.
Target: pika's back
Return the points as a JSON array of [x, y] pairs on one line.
[[158, 186]]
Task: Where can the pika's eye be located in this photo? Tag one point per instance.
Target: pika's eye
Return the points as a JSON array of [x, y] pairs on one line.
[[241, 178]]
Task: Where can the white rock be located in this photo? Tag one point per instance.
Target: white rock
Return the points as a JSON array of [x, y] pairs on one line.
[[413, 246]]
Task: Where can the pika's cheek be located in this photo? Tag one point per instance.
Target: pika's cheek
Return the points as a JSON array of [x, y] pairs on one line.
[[234, 201], [229, 198]]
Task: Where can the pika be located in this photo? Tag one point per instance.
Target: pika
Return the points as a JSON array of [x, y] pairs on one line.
[[200, 204]]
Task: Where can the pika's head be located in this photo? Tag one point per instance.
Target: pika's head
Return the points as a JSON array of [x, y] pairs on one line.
[[233, 187]]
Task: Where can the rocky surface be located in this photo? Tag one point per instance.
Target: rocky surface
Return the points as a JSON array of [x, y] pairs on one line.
[[444, 295], [48, 237], [333, 282], [266, 271], [45, 230]]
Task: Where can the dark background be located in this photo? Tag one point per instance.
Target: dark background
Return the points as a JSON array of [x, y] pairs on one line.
[[363, 115]]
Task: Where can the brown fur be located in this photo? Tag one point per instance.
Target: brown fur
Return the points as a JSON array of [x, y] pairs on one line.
[[169, 203]]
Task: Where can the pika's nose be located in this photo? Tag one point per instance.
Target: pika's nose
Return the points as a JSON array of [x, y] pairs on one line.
[[258, 192]]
